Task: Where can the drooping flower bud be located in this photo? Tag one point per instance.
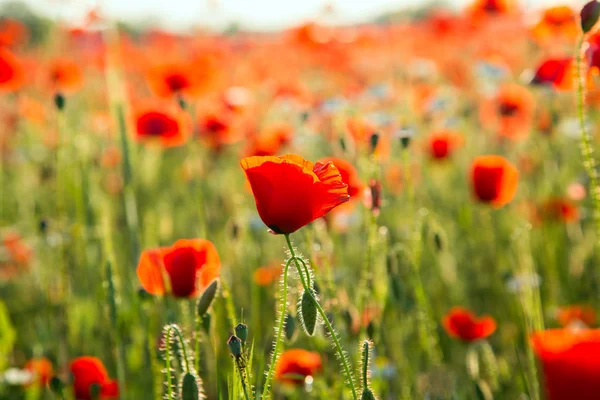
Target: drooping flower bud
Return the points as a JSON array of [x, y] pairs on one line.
[[589, 15]]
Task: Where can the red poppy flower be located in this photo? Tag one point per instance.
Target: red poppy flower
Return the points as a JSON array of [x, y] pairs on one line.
[[291, 192], [182, 270], [64, 75], [160, 124], [462, 324], [42, 368], [556, 72], [570, 362], [294, 365], [217, 130], [11, 72], [12, 32], [183, 78], [494, 180], [269, 142], [442, 143], [558, 22], [510, 112], [88, 371], [349, 175], [570, 314], [483, 8], [562, 210]]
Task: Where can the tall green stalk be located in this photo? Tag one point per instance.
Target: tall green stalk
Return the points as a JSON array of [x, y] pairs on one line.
[[586, 140], [336, 342]]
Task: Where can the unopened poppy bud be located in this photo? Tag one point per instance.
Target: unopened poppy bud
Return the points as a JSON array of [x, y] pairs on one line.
[[367, 394], [59, 101], [437, 239], [308, 313], [189, 387], [343, 143], [290, 326], [235, 346], [375, 187], [207, 298], [206, 318], [374, 141], [56, 386], [405, 141], [182, 102], [241, 331], [371, 329], [589, 15], [43, 225]]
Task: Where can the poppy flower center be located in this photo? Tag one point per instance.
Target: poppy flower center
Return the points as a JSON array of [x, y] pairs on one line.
[[157, 124], [508, 109], [492, 6], [215, 125], [177, 82]]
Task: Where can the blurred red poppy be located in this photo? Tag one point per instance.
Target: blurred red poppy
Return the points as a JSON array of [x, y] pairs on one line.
[[11, 72], [442, 143], [349, 176], [462, 324], [574, 314], [216, 130], [12, 32], [270, 141], [180, 78], [163, 125], [64, 75], [42, 368], [293, 366], [494, 180], [556, 72], [266, 275], [291, 192], [558, 22], [510, 112], [570, 361], [562, 210], [88, 371], [184, 269]]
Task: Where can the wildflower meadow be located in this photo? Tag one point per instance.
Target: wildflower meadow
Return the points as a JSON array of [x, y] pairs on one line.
[[405, 208]]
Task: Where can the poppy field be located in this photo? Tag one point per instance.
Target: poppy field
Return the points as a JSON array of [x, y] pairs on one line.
[[402, 209]]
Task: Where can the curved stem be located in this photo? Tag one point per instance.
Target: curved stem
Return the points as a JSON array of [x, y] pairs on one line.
[[334, 337], [365, 366], [279, 338], [168, 365], [586, 147]]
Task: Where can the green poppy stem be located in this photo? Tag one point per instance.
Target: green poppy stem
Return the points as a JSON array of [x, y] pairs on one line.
[[280, 329], [333, 334], [586, 147]]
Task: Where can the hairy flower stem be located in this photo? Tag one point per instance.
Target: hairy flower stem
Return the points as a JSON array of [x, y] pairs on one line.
[[586, 147], [336, 342], [279, 330]]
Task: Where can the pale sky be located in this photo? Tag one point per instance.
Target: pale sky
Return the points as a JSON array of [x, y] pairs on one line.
[[258, 14]]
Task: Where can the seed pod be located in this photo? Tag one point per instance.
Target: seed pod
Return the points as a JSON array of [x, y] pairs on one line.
[[241, 331], [235, 346], [95, 390], [189, 387], [207, 298], [308, 314]]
